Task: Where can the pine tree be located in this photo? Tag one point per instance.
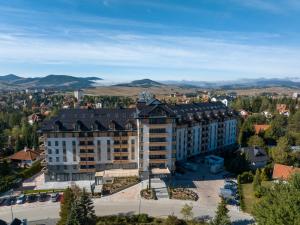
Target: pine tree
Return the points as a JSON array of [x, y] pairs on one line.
[[87, 211], [73, 216], [65, 206], [221, 217]]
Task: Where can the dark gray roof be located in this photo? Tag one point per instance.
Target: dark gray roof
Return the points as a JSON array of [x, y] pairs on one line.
[[124, 119], [255, 154], [91, 119]]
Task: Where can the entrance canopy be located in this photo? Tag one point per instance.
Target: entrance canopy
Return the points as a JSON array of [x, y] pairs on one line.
[[158, 171], [118, 173]]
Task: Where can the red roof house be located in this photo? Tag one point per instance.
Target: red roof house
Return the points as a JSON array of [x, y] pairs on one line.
[[25, 157], [283, 172]]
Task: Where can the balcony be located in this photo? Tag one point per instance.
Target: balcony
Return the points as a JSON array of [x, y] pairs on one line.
[[161, 152], [157, 143], [157, 160], [156, 135], [120, 153], [87, 163], [86, 154], [158, 125], [87, 170], [120, 145]]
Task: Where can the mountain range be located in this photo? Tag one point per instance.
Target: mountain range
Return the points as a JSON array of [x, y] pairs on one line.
[[67, 82], [12, 81]]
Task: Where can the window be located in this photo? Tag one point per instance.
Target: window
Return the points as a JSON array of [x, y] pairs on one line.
[[65, 159], [65, 167], [74, 143], [108, 150], [56, 143], [56, 151], [74, 154], [50, 159], [64, 143], [49, 151], [99, 150], [57, 159], [74, 167], [49, 143]]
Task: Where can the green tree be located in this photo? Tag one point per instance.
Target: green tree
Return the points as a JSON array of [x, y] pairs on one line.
[[73, 215], [256, 141], [187, 212], [221, 217], [280, 205], [87, 212], [173, 220], [65, 206], [280, 153]]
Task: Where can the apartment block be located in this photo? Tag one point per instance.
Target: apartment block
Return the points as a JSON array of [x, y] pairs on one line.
[[81, 142]]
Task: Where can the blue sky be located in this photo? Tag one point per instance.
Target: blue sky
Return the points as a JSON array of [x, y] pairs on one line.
[[163, 40]]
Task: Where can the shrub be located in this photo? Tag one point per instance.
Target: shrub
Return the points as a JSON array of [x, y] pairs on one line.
[[29, 172], [246, 177]]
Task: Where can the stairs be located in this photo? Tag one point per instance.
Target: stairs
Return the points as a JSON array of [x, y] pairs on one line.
[[160, 188]]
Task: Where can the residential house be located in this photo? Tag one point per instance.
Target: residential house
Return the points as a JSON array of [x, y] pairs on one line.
[[261, 128], [283, 172], [25, 157], [282, 109], [257, 157]]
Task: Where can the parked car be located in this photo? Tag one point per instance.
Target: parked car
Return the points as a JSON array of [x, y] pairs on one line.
[[230, 182], [42, 197], [21, 199], [11, 200], [54, 197], [226, 193], [2, 201], [31, 198]]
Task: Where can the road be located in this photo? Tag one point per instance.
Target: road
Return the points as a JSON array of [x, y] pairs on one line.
[[162, 208]]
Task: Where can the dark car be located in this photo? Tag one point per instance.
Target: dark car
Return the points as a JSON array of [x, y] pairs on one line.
[[31, 198], [11, 200], [2, 201], [54, 197], [42, 197]]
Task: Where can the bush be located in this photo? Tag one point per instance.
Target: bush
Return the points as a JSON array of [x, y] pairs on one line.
[[173, 220], [240, 192], [29, 172], [246, 177]]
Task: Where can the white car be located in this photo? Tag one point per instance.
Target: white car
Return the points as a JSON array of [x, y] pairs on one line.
[[21, 199]]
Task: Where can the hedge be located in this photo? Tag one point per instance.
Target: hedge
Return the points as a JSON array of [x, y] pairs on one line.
[[29, 172]]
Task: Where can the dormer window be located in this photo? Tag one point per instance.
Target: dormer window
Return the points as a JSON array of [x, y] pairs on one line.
[[112, 125], [128, 126]]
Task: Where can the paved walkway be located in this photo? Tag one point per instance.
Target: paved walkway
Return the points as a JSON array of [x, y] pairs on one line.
[[160, 188]]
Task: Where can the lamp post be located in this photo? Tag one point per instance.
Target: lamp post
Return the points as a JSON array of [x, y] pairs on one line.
[[11, 209]]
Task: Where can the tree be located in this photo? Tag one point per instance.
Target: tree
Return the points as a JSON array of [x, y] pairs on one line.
[[173, 220], [187, 212], [280, 153], [280, 205], [87, 212], [256, 141], [73, 216], [65, 206], [221, 217]]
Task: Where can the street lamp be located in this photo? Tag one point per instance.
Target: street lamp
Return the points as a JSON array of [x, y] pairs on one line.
[[11, 209]]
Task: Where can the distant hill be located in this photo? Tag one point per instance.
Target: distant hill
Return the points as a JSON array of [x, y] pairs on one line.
[[238, 84], [146, 83], [51, 81]]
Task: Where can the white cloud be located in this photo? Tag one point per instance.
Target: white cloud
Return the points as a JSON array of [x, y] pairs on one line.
[[159, 52]]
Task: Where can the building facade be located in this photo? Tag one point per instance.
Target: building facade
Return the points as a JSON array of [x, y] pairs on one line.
[[80, 142]]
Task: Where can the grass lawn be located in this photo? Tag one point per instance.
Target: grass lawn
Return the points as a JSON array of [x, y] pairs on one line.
[[43, 191], [248, 194]]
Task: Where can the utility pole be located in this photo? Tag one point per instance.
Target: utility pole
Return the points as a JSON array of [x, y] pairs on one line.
[[11, 209]]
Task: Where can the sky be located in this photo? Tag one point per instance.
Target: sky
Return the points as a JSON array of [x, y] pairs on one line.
[[118, 40]]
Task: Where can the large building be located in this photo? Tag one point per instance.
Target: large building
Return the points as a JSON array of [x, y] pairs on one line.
[[81, 142]]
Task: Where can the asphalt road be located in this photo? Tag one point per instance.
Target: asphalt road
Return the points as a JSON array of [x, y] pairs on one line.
[[162, 208]]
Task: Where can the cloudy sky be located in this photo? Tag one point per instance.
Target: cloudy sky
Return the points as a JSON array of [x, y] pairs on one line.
[[159, 39]]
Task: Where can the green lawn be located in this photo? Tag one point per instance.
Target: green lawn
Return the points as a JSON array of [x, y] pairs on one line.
[[43, 191], [248, 194]]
